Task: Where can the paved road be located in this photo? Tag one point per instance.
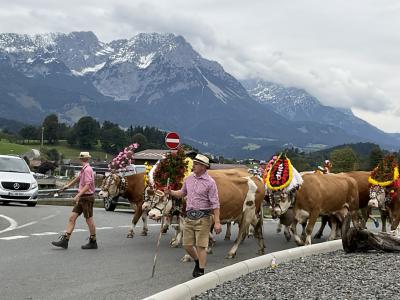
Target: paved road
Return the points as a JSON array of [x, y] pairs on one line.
[[31, 268]]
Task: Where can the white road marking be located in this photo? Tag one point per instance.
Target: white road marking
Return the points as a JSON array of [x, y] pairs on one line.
[[26, 225], [80, 230], [48, 217], [100, 228], [13, 224], [15, 237], [45, 233]]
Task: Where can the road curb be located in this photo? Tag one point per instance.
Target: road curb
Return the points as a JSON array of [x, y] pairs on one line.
[[196, 286]]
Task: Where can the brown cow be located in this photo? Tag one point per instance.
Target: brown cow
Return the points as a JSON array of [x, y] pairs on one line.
[[389, 208], [131, 187], [363, 197], [240, 199], [329, 194]]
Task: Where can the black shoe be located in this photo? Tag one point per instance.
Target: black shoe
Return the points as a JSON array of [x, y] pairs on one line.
[[195, 270], [91, 245], [198, 272], [63, 242]]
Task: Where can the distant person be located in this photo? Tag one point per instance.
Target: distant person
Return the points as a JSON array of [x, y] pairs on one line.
[[327, 166], [202, 201], [84, 201], [261, 168]]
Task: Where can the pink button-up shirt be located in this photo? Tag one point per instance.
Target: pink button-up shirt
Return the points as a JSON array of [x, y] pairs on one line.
[[86, 176], [201, 192]]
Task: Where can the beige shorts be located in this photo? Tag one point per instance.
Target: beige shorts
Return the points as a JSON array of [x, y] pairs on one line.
[[196, 232]]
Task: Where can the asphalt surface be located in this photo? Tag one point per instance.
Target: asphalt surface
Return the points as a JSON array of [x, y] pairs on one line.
[[31, 268]]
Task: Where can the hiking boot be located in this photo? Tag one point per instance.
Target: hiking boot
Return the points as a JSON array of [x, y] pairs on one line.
[[63, 242], [92, 244]]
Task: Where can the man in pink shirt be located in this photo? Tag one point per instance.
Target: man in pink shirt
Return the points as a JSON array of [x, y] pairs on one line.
[[84, 201], [202, 202]]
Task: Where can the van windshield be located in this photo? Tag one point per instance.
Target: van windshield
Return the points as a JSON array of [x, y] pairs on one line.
[[10, 164]]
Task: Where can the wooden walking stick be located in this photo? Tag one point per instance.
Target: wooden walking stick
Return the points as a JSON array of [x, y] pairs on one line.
[[159, 236]]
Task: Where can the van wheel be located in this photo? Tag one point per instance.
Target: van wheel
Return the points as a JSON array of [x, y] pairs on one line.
[[109, 204], [31, 204]]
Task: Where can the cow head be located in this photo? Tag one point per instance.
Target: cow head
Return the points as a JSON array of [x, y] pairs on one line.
[[377, 196], [111, 186], [280, 202], [161, 205]]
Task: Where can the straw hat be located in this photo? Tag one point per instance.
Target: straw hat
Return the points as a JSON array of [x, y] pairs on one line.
[[201, 159], [84, 155]]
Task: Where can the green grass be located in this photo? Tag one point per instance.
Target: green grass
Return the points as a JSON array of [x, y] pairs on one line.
[[62, 148]]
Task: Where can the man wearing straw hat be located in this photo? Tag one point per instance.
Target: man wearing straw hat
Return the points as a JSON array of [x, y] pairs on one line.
[[84, 201], [202, 202]]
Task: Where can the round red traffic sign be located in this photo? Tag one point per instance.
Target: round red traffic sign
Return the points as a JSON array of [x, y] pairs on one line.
[[172, 140]]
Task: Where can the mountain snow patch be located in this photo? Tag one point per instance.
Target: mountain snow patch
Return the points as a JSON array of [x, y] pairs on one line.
[[145, 61]]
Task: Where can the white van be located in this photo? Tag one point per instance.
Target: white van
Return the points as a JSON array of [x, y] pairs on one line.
[[17, 183]]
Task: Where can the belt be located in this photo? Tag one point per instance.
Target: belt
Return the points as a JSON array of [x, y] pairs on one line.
[[198, 214]]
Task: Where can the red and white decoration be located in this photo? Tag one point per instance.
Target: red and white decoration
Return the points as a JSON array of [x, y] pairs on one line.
[[172, 140]]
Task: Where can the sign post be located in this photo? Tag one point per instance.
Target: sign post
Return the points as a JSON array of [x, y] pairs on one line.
[[172, 140]]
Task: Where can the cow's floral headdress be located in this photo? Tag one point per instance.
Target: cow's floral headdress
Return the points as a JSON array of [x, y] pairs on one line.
[[123, 159]]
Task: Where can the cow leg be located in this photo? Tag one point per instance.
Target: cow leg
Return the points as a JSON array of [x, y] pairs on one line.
[[177, 240], [248, 215], [228, 231], [167, 222], [310, 226], [145, 228], [287, 233], [334, 227], [279, 227], [383, 218], [324, 221], [135, 219], [299, 217], [258, 234]]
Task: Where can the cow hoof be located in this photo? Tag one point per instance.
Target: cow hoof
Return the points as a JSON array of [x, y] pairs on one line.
[[144, 233], [129, 235], [278, 230], [227, 238], [317, 236], [230, 255], [261, 252], [174, 244], [300, 243], [288, 236]]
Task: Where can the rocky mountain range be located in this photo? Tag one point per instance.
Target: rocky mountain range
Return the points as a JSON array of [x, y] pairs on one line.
[[160, 80]]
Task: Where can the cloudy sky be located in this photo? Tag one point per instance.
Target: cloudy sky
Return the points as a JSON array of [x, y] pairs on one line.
[[346, 53]]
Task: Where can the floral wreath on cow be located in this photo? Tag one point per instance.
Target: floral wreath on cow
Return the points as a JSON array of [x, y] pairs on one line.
[[281, 175], [175, 167], [386, 173]]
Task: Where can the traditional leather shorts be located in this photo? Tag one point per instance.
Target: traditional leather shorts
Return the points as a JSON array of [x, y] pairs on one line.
[[85, 206]]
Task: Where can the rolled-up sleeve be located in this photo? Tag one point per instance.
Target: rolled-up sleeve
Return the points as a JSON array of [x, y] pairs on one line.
[[213, 195]]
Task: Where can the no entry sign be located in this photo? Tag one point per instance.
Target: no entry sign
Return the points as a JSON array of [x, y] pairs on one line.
[[172, 140]]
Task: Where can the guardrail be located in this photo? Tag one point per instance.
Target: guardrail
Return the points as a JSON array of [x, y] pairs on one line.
[[56, 193]]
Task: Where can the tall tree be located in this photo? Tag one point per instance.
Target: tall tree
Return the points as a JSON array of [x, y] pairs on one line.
[[86, 132], [50, 126], [343, 160], [29, 133], [112, 138], [375, 156]]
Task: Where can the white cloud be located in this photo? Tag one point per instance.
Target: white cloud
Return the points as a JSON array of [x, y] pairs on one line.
[[343, 52]]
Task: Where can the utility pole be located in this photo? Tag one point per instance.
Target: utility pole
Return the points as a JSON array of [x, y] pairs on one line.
[[41, 144]]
